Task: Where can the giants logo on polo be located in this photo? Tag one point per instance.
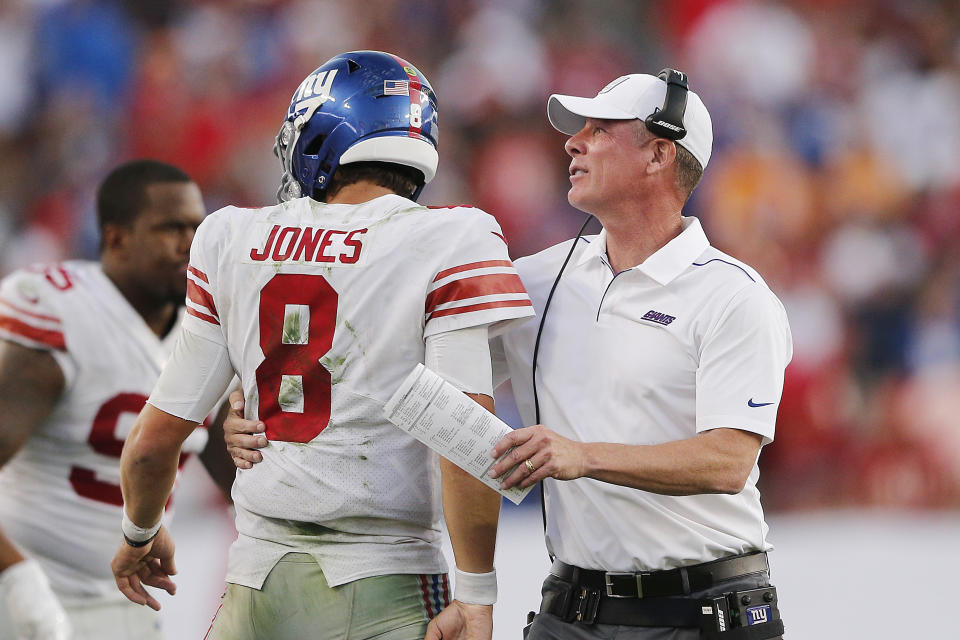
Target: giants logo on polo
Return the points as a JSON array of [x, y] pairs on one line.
[[658, 317]]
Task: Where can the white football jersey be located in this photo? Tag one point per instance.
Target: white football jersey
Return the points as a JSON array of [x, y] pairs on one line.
[[60, 495], [323, 310]]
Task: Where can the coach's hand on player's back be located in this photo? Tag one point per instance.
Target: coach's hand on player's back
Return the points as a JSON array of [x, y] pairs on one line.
[[151, 565], [243, 437]]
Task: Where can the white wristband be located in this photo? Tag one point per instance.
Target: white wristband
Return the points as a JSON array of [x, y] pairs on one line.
[[34, 610], [475, 588], [133, 533]]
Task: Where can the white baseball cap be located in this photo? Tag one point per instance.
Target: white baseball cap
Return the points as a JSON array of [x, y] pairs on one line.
[[631, 97]]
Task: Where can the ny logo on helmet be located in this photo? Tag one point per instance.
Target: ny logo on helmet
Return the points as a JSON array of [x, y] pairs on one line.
[[314, 91]]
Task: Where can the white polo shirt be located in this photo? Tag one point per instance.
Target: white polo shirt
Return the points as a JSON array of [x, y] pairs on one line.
[[688, 341]]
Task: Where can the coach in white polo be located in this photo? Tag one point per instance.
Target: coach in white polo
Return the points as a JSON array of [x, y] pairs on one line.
[[659, 374]]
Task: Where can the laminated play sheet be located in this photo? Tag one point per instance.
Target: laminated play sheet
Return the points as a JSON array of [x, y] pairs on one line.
[[434, 412]]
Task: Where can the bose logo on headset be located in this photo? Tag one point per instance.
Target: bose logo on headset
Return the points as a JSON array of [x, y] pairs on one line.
[[663, 123]]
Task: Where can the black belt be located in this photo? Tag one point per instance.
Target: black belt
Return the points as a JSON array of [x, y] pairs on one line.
[[658, 584]]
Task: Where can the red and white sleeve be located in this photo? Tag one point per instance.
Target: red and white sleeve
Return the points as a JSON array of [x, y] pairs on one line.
[[30, 316], [27, 316], [202, 316], [478, 285]]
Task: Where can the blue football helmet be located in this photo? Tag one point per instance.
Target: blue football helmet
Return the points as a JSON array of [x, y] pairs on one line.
[[359, 106]]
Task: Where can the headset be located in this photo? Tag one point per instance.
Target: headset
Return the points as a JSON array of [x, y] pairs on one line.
[[665, 122]]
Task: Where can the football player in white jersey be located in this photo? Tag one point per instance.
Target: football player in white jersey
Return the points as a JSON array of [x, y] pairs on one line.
[[81, 346], [323, 304]]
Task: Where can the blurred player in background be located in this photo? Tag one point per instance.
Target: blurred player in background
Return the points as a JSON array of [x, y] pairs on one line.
[[324, 303], [81, 346]]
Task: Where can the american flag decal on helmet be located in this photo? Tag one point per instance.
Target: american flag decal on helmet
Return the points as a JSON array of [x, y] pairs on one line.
[[396, 87]]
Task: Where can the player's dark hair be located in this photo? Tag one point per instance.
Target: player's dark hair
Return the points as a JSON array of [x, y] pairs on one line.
[[689, 172], [123, 193], [399, 178]]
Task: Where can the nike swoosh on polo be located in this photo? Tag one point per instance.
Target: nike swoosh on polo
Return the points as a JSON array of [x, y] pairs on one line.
[[751, 403]]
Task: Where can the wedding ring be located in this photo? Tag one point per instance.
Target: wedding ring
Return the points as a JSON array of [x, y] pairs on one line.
[[529, 465]]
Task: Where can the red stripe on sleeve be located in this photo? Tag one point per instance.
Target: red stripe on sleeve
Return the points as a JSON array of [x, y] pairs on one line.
[[201, 297], [464, 288], [198, 273], [480, 307], [203, 316], [48, 337], [472, 265], [32, 314]]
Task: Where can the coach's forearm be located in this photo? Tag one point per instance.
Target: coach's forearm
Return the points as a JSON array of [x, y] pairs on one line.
[[715, 461], [148, 465]]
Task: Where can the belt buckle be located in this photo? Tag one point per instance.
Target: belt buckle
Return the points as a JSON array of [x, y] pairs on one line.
[[611, 577]]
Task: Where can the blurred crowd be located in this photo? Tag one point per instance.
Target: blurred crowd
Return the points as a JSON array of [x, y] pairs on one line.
[[836, 166]]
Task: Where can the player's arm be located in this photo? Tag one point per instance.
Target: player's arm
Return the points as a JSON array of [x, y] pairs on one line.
[[148, 464], [471, 509], [192, 381], [148, 468], [31, 381]]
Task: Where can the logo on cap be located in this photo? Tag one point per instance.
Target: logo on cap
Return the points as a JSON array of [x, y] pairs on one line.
[[613, 84]]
